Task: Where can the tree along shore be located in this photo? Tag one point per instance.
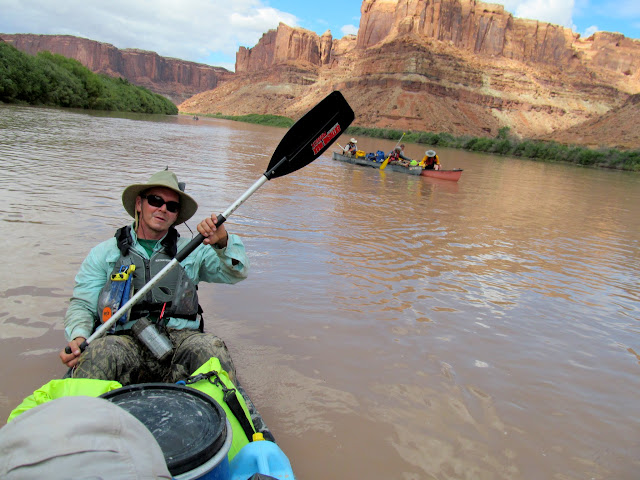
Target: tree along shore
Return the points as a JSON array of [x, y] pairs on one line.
[[502, 144], [54, 80], [267, 120]]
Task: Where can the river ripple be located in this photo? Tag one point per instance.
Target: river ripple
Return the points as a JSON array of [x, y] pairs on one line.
[[391, 326]]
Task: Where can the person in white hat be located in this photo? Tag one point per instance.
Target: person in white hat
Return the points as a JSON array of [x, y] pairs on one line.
[[350, 149], [430, 161], [171, 306]]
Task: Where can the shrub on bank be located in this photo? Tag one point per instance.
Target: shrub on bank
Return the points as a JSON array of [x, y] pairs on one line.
[[268, 120], [53, 80]]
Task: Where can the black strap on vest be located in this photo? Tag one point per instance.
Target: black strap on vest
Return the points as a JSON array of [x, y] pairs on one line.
[[230, 398], [125, 241]]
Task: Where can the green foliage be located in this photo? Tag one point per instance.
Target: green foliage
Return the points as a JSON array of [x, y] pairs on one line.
[[268, 120], [54, 80], [506, 144], [503, 133]]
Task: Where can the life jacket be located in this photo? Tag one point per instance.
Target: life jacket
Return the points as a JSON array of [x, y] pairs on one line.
[[431, 161], [176, 293], [394, 156]]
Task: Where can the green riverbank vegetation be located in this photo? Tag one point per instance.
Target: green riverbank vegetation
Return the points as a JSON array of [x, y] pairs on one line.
[[52, 80], [268, 120], [505, 144]]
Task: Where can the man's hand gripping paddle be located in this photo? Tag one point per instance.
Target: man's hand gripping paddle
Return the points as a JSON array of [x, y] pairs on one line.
[[305, 141]]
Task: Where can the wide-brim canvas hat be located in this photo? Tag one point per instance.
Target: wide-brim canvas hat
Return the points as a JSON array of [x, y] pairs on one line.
[[430, 153], [164, 179], [353, 140], [79, 437]]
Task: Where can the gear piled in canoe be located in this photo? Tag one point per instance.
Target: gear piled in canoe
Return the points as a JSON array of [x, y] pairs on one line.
[[376, 160]]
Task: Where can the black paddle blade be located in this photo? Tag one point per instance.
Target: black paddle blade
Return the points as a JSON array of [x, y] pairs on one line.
[[311, 135]]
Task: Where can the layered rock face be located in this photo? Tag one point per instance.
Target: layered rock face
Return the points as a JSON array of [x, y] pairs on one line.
[[175, 79], [457, 66], [285, 45], [471, 26]]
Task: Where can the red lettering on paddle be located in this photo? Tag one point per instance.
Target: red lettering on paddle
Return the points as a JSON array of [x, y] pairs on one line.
[[325, 138]]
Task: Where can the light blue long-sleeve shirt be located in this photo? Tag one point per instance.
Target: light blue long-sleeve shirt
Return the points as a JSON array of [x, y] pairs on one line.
[[205, 263]]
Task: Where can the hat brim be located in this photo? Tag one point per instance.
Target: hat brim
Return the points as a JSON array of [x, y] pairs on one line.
[[188, 206]]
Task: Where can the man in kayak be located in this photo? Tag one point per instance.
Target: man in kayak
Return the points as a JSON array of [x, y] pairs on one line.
[[430, 161], [171, 307]]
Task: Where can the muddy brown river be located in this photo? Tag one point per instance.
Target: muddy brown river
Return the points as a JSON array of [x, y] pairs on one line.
[[391, 327]]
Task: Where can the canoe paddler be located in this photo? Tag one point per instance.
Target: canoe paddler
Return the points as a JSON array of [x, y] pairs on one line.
[[350, 148], [178, 345], [430, 161]]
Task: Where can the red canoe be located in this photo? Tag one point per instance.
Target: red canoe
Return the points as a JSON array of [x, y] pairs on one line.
[[453, 175]]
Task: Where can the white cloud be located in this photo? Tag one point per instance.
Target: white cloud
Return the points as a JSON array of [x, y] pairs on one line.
[[590, 31], [190, 30], [558, 12], [349, 30]]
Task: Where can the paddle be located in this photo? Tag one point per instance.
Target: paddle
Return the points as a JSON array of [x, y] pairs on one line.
[[384, 164], [305, 141]]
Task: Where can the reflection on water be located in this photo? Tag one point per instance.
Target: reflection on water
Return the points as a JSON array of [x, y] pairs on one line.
[[392, 326]]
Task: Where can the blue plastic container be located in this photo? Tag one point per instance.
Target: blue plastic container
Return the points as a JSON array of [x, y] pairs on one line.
[[260, 456]]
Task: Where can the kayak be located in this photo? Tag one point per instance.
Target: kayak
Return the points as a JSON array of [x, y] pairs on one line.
[[205, 411], [453, 175]]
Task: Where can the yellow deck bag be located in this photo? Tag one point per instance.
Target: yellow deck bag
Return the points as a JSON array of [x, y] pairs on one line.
[[66, 387]]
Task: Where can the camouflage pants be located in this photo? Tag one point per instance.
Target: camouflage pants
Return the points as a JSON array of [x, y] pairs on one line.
[[124, 359]]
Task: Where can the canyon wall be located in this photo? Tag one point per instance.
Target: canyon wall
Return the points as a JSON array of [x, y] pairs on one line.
[[284, 45], [456, 66], [175, 79]]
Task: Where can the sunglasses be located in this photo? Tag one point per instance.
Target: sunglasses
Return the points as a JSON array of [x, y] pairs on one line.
[[157, 201]]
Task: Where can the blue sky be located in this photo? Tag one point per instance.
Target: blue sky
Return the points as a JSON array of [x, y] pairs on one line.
[[211, 31]]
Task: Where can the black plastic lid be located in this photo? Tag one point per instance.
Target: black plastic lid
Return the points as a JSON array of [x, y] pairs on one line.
[[189, 426]]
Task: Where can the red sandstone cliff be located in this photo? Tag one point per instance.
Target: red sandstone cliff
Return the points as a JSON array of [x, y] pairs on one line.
[[457, 66], [175, 79], [285, 45]]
